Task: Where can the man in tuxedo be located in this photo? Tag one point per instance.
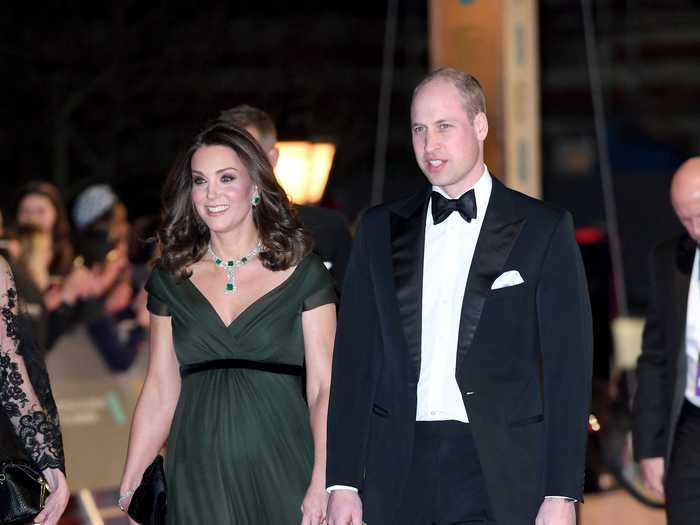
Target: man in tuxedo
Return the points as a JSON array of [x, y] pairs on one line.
[[328, 228], [667, 405], [462, 362]]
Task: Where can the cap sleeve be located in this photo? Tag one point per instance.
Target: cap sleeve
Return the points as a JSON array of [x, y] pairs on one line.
[[320, 288], [155, 287]]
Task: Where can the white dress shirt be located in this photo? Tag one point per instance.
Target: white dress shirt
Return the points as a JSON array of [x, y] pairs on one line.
[[692, 331], [447, 258]]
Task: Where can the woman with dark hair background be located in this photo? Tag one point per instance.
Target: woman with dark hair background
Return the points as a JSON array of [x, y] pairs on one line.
[[39, 203], [29, 422], [238, 306]]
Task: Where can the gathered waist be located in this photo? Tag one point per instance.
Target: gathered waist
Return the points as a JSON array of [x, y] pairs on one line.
[[222, 364]]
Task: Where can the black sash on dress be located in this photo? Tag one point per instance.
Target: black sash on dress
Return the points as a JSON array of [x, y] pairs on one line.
[[220, 364]]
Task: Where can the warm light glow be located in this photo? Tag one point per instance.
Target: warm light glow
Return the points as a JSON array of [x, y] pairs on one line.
[[627, 339], [303, 169]]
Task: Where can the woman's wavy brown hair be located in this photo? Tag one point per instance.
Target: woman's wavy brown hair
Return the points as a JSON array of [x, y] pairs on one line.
[[183, 236], [62, 261]]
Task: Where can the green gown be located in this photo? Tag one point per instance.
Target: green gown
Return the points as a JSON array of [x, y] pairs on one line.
[[240, 449]]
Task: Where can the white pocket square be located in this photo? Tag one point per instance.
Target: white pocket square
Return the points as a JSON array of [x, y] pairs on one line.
[[509, 278]]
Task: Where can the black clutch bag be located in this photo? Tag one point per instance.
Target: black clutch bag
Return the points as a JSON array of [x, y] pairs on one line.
[[147, 505], [22, 492]]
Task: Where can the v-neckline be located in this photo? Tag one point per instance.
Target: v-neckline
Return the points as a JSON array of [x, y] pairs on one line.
[[233, 321]]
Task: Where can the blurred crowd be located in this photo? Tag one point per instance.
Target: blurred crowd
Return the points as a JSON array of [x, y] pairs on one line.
[[86, 267]]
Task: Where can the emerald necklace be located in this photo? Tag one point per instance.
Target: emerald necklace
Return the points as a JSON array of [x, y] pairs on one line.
[[230, 265]]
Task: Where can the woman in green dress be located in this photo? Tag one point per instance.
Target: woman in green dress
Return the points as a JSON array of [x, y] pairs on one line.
[[239, 308]]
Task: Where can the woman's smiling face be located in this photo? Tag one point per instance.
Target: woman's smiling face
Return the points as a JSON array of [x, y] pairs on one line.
[[221, 188]]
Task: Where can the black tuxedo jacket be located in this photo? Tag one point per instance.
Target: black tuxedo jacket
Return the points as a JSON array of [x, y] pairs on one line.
[[523, 366], [662, 366]]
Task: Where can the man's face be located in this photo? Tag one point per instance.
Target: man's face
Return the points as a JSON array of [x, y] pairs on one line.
[[447, 144], [686, 203]]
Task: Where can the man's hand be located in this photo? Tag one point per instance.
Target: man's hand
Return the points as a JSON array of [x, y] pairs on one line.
[[653, 475], [555, 511], [344, 508]]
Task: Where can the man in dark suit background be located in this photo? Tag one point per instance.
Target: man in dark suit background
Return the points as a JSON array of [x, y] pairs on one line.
[[328, 228], [667, 405], [462, 363]]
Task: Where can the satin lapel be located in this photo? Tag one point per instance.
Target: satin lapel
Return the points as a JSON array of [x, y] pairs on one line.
[[498, 234], [407, 246], [685, 255]]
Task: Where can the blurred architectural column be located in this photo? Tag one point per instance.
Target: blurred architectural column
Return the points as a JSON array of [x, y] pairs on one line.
[[497, 41]]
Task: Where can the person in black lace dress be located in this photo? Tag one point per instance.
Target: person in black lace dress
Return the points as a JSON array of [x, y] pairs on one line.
[[28, 409]]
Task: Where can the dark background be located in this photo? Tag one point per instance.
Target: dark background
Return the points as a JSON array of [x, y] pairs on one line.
[[94, 93]]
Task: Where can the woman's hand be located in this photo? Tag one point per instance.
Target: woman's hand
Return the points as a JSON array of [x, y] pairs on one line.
[[124, 502], [57, 500], [314, 506]]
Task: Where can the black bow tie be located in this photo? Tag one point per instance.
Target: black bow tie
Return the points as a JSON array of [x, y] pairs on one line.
[[442, 207]]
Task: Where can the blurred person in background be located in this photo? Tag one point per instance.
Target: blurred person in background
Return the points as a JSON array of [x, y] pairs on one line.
[[102, 240], [142, 254], [31, 247], [667, 404], [39, 203], [142, 247], [329, 229], [238, 304], [29, 427]]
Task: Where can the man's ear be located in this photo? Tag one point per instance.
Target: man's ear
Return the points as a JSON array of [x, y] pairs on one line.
[[273, 155], [481, 126]]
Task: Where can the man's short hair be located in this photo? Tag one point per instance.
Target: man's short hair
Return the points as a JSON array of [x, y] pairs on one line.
[[467, 85], [245, 116]]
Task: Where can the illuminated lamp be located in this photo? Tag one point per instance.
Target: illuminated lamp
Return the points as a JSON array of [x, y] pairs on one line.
[[303, 169]]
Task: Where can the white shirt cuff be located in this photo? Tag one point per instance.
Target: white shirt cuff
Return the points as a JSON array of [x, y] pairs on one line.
[[340, 487], [565, 498]]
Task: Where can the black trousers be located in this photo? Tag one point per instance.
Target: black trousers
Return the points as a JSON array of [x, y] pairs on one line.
[[445, 484], [683, 477]]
